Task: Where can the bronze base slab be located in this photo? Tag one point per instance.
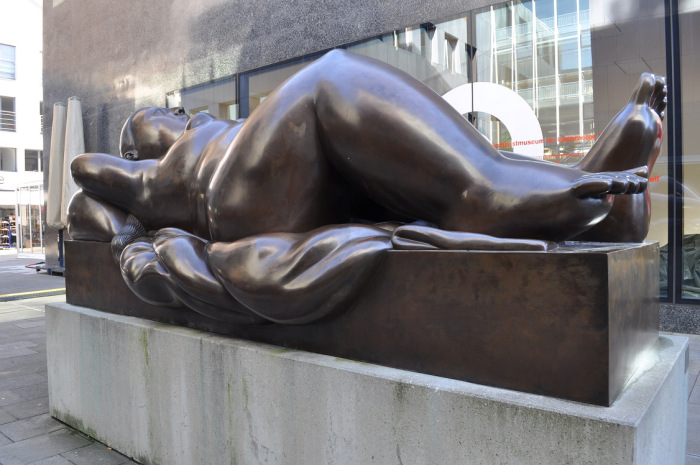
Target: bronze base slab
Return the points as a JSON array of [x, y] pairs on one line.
[[568, 323]]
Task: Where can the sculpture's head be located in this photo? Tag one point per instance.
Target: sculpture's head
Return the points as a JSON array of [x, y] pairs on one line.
[[150, 132]]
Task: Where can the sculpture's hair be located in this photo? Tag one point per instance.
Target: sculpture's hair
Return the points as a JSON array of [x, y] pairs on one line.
[[127, 142]]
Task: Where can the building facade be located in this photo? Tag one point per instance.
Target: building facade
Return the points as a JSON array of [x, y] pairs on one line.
[[21, 112], [539, 77]]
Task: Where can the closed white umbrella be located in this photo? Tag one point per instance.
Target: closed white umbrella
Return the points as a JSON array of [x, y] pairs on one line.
[[75, 145], [55, 189]]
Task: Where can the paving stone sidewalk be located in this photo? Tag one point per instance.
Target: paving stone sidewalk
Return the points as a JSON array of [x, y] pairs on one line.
[[19, 278], [28, 435]]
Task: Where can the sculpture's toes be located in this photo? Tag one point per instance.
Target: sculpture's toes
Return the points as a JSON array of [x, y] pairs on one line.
[[300, 278], [659, 96], [597, 185]]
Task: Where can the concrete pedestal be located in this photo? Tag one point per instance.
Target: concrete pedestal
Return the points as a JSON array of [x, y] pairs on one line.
[[164, 394]]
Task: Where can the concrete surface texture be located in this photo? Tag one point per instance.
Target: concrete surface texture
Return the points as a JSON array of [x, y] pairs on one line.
[[193, 397]]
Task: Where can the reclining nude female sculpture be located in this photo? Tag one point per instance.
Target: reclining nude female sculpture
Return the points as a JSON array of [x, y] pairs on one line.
[[285, 216]]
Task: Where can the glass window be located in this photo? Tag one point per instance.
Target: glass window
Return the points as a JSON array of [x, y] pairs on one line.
[[7, 61], [217, 98], [442, 61], [8, 159], [7, 114], [689, 27], [257, 85], [32, 160]]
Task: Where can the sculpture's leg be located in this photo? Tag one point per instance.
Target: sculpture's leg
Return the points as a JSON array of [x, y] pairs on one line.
[[633, 138], [408, 150]]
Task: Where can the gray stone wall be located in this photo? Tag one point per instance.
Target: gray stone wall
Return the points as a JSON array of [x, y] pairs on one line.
[[119, 55]]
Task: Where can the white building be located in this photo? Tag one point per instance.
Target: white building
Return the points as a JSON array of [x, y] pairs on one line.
[[21, 140]]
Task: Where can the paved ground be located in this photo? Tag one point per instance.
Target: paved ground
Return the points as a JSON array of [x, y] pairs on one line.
[[28, 435], [19, 280]]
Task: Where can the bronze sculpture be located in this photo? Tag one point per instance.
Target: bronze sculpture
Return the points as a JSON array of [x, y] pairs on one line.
[[260, 220]]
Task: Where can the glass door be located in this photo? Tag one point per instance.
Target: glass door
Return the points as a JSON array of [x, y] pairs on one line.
[[30, 220]]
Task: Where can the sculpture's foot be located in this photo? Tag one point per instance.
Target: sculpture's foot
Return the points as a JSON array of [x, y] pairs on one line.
[[633, 137]]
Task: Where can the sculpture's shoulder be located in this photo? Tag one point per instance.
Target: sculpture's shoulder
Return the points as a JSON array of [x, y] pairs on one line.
[[198, 120], [208, 123]]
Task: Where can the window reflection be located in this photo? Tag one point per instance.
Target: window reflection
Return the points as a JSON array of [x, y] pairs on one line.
[[257, 85], [218, 99], [689, 21]]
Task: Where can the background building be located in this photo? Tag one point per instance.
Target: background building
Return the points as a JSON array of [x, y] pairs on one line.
[[572, 63], [21, 139]]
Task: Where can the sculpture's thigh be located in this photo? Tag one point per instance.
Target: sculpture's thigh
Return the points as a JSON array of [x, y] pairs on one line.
[[275, 176]]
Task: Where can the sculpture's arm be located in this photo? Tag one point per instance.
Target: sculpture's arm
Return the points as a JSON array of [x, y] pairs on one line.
[[142, 188], [115, 180]]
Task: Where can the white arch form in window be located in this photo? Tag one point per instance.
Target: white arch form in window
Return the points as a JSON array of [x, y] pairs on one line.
[[507, 106]]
